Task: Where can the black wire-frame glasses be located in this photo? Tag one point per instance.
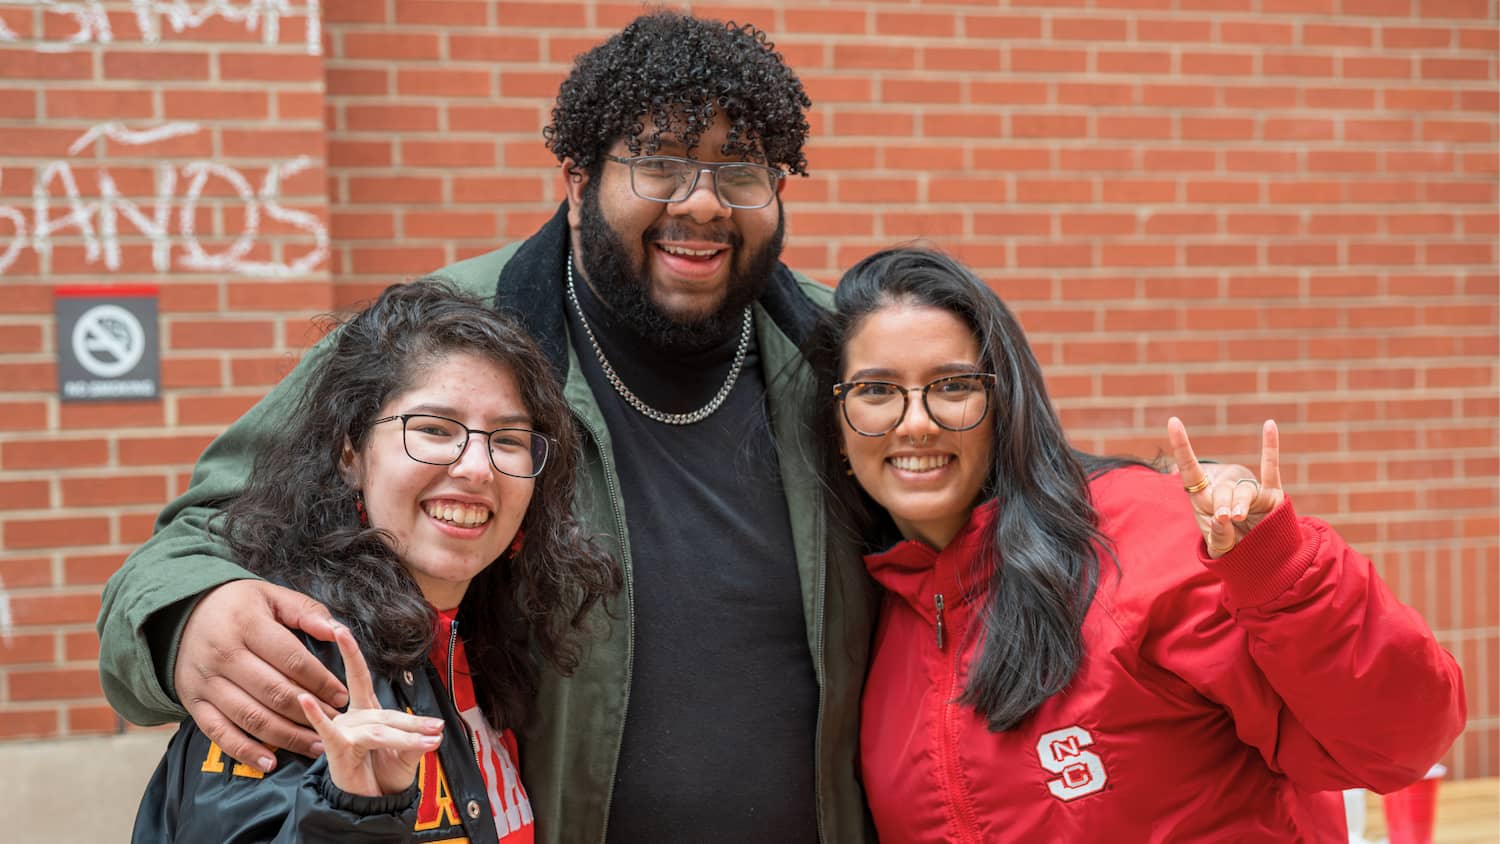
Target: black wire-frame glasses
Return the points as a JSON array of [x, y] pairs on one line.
[[440, 441]]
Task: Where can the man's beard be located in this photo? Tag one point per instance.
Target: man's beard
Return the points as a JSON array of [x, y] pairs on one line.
[[626, 289]]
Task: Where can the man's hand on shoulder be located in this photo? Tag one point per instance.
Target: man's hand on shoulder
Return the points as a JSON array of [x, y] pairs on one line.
[[240, 669]]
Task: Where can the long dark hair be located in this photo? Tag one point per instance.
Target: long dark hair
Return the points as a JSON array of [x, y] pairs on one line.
[[297, 522], [1046, 530]]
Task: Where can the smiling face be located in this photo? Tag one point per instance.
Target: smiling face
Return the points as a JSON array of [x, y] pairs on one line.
[[448, 522], [927, 477], [680, 271]]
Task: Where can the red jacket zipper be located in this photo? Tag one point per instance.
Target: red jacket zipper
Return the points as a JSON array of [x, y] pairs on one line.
[[937, 603], [952, 712]]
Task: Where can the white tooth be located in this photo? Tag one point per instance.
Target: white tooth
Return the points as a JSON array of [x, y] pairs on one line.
[[923, 463], [458, 513], [698, 253]]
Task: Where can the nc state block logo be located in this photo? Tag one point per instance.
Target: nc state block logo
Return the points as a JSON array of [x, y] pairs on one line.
[[1080, 772]]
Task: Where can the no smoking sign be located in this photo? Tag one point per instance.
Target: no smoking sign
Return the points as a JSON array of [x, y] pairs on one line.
[[107, 343]]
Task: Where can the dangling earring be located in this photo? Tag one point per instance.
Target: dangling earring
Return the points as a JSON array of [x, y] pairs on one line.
[[515, 545], [848, 467], [359, 507]]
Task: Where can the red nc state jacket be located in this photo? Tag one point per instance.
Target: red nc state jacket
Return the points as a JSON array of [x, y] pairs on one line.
[[1214, 700]]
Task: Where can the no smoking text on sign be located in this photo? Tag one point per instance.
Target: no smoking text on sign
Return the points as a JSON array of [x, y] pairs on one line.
[[107, 343]]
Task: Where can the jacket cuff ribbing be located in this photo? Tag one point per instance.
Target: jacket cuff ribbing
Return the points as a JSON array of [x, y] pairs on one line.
[[1266, 563], [359, 804]]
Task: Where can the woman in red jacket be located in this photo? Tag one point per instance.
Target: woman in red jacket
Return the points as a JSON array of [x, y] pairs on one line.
[[1075, 649]]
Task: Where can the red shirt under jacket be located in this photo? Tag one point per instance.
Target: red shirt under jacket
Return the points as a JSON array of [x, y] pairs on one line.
[[1214, 701], [494, 752]]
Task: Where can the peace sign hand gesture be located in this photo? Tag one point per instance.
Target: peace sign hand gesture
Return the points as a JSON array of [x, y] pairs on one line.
[[1232, 502], [371, 751]]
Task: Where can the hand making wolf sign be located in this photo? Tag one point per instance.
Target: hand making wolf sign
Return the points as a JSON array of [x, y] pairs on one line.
[[1231, 503], [372, 751]]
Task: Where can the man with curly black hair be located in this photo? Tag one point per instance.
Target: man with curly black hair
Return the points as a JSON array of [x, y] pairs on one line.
[[680, 274], [720, 702]]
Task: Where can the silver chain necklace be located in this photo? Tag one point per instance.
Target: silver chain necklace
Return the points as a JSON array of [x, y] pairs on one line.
[[647, 410]]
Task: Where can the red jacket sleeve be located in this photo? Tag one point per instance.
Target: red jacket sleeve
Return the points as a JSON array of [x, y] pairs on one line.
[[1336, 682]]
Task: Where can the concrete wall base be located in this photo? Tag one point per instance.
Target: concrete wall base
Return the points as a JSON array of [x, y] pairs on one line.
[[76, 789]]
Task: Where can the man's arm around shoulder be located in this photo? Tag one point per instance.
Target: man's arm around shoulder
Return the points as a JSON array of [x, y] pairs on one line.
[[147, 602]]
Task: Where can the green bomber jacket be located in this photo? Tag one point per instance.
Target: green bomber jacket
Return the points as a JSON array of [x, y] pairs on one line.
[[570, 751]]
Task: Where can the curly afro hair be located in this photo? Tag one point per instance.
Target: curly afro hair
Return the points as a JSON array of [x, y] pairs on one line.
[[678, 72]]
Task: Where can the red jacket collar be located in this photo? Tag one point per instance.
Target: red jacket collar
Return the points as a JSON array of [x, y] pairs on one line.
[[915, 571]]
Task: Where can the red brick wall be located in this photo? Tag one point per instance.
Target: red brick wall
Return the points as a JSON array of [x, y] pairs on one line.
[[1224, 210], [189, 123]]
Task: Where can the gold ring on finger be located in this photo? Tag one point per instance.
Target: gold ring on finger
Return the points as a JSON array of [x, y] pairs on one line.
[[1198, 487], [1218, 550]]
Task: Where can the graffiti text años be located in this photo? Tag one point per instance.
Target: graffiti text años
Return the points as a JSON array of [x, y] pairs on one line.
[[155, 17], [97, 220]]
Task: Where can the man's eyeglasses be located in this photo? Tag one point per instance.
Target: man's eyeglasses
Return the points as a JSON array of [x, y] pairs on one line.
[[954, 402], [667, 178], [440, 441]]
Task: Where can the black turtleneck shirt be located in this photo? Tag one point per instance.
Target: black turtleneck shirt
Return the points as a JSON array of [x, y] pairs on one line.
[[720, 731]]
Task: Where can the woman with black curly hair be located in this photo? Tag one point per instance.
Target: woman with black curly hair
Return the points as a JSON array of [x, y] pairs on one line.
[[723, 704], [423, 495]]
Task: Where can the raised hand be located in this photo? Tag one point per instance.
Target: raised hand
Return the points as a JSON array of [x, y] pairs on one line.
[[239, 669], [1230, 502], [372, 751]]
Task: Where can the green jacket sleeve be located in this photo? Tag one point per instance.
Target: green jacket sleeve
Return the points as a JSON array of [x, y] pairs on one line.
[[147, 602]]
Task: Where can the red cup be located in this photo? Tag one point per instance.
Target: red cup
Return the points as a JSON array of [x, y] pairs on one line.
[[1410, 812]]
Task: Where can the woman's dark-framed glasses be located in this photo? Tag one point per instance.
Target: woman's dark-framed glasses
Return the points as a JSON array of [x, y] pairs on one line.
[[440, 441], [954, 402], [667, 178]]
